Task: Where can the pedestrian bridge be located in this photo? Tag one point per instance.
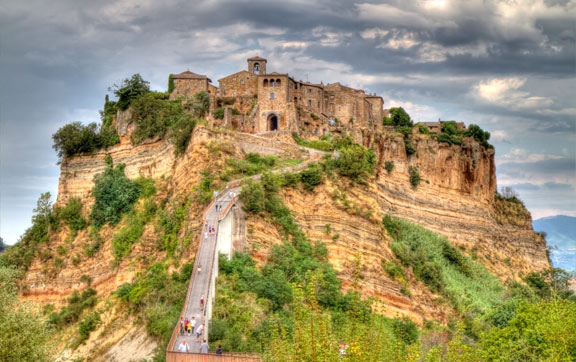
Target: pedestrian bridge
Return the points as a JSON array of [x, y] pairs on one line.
[[203, 283]]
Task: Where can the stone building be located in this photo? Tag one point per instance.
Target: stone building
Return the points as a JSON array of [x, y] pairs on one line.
[[274, 102]]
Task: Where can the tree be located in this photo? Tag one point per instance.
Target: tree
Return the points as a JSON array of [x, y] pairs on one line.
[[25, 336], [75, 138], [129, 89], [201, 103], [400, 118], [171, 83], [2, 245], [478, 134], [114, 195]]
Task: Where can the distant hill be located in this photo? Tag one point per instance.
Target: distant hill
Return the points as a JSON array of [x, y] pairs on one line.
[[561, 233]]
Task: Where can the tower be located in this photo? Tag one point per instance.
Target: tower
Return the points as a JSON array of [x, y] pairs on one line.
[[257, 65]]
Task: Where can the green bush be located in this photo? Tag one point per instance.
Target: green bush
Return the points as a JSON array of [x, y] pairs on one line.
[[356, 162], [71, 214], [181, 132], [129, 89], [311, 177], [89, 324], [25, 335], [252, 196], [158, 296], [389, 166], [200, 104], [409, 147], [155, 117], [114, 195], [75, 138], [23, 252], [393, 270], [406, 330], [77, 303], [219, 113], [414, 176]]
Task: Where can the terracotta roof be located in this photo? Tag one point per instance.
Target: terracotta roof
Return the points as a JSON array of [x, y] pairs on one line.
[[190, 75], [257, 58]]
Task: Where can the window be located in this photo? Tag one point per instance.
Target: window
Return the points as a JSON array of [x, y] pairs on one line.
[[295, 99], [277, 82], [295, 85], [272, 83], [309, 103], [242, 81], [272, 95], [256, 68], [309, 90], [265, 82], [199, 81], [318, 104]]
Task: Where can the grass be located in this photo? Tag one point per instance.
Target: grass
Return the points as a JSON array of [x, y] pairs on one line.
[[445, 269]]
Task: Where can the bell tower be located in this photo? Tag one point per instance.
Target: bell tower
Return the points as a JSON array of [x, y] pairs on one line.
[[257, 65]]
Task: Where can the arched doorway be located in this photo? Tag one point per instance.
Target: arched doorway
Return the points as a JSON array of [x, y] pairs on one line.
[[272, 122]]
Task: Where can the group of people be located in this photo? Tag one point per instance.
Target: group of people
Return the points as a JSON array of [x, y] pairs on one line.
[[186, 328], [204, 347]]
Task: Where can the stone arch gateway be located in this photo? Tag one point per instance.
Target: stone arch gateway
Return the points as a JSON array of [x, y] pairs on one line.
[[272, 122]]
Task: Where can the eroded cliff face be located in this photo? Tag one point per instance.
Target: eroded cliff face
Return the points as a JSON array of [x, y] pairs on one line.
[[455, 198]]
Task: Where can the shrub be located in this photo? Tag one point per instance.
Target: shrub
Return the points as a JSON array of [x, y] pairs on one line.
[[291, 179], [252, 196], [200, 103], [409, 147], [311, 177], [406, 330], [393, 270], [181, 133], [228, 101], [154, 117], [414, 176], [89, 324], [129, 89], [71, 214], [422, 128], [219, 113], [389, 166], [114, 195], [356, 162]]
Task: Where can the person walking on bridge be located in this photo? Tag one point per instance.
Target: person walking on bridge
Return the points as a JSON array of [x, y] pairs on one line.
[[184, 347], [204, 347], [199, 331]]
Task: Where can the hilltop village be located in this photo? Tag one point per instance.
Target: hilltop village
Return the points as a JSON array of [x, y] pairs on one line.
[[260, 102]]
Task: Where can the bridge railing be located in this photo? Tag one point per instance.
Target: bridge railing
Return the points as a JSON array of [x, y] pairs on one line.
[[211, 357]]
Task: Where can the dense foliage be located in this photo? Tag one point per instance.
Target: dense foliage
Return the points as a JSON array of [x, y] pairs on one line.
[[23, 252], [129, 89], [114, 194], [25, 336], [76, 138], [400, 118], [158, 296]]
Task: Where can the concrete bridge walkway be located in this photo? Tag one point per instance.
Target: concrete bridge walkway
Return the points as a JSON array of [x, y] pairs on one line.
[[202, 278]]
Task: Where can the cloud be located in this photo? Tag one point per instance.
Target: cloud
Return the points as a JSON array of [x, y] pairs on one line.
[[505, 92], [515, 58]]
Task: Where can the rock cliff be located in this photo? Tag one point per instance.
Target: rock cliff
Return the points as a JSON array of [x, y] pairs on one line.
[[454, 198]]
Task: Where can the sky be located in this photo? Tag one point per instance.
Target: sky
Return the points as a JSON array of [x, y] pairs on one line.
[[506, 65]]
